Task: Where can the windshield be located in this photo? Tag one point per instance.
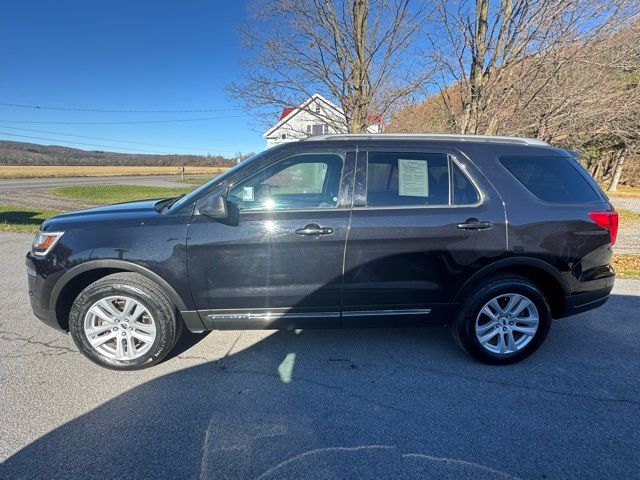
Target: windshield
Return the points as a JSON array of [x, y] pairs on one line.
[[201, 189]]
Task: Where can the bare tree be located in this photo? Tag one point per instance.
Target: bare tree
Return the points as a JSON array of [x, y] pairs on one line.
[[577, 86], [503, 55], [608, 120], [355, 52], [617, 171]]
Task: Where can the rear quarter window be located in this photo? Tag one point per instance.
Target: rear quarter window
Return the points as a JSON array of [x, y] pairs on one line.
[[551, 179]]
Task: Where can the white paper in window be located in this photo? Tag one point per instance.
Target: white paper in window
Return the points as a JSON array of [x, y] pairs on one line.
[[413, 178], [247, 194]]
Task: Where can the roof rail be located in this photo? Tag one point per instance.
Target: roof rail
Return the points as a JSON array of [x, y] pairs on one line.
[[429, 136]]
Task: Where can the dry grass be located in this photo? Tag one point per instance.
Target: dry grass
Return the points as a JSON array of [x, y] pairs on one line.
[[626, 265], [628, 217], [47, 171], [625, 192]]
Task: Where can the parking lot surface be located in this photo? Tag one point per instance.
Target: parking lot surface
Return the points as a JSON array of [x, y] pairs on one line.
[[357, 404]]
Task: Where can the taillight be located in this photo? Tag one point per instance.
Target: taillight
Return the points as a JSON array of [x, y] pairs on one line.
[[608, 220]]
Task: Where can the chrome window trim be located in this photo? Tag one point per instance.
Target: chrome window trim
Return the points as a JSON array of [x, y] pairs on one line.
[[269, 315], [378, 313], [275, 315], [450, 178], [298, 210], [418, 207]]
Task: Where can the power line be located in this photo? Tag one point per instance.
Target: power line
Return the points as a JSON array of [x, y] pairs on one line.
[[107, 139], [104, 110], [124, 123], [81, 143]]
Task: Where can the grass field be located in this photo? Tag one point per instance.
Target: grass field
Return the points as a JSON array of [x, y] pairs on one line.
[[31, 171], [197, 181], [16, 218], [628, 217], [117, 193], [625, 192], [627, 265]]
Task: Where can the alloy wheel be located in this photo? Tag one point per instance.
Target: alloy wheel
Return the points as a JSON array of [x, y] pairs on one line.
[[120, 328], [507, 323]]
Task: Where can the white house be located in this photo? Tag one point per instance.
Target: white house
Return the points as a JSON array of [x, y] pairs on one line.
[[314, 116]]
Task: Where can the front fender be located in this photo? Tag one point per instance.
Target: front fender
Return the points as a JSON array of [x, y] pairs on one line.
[[122, 265]]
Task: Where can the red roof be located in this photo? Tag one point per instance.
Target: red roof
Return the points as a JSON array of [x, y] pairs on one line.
[[286, 111]]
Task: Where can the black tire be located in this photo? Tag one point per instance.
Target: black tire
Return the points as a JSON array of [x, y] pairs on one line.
[[463, 328], [150, 295]]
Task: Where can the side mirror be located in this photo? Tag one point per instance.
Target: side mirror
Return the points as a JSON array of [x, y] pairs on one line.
[[213, 206]]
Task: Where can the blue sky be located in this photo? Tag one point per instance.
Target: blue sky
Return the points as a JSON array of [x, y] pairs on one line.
[[125, 55]]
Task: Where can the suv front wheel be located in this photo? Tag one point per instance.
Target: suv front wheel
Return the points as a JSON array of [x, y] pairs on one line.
[[124, 321], [504, 321]]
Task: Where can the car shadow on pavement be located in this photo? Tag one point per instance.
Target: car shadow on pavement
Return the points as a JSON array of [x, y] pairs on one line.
[[186, 341], [326, 404]]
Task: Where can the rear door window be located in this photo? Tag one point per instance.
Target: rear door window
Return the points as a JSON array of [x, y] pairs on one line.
[[416, 179], [464, 193], [551, 179]]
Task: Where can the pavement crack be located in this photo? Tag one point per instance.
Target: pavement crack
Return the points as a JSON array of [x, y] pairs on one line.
[[12, 337]]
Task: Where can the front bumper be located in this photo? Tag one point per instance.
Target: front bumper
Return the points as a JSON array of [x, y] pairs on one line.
[[38, 301]]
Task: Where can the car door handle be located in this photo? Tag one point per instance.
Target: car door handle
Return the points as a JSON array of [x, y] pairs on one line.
[[314, 229], [475, 224]]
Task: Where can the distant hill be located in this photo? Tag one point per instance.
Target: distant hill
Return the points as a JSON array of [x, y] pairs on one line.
[[20, 153]]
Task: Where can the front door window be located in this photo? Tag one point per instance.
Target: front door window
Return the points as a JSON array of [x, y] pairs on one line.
[[305, 181]]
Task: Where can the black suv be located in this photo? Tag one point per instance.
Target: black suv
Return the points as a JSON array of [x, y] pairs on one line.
[[494, 236]]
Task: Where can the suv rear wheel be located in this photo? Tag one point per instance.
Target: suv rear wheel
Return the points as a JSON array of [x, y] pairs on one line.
[[124, 321], [503, 321]]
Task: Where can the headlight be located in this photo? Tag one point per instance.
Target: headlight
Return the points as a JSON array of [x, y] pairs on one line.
[[44, 242]]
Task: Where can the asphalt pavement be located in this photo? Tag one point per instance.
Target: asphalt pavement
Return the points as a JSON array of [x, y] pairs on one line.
[[321, 404]]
